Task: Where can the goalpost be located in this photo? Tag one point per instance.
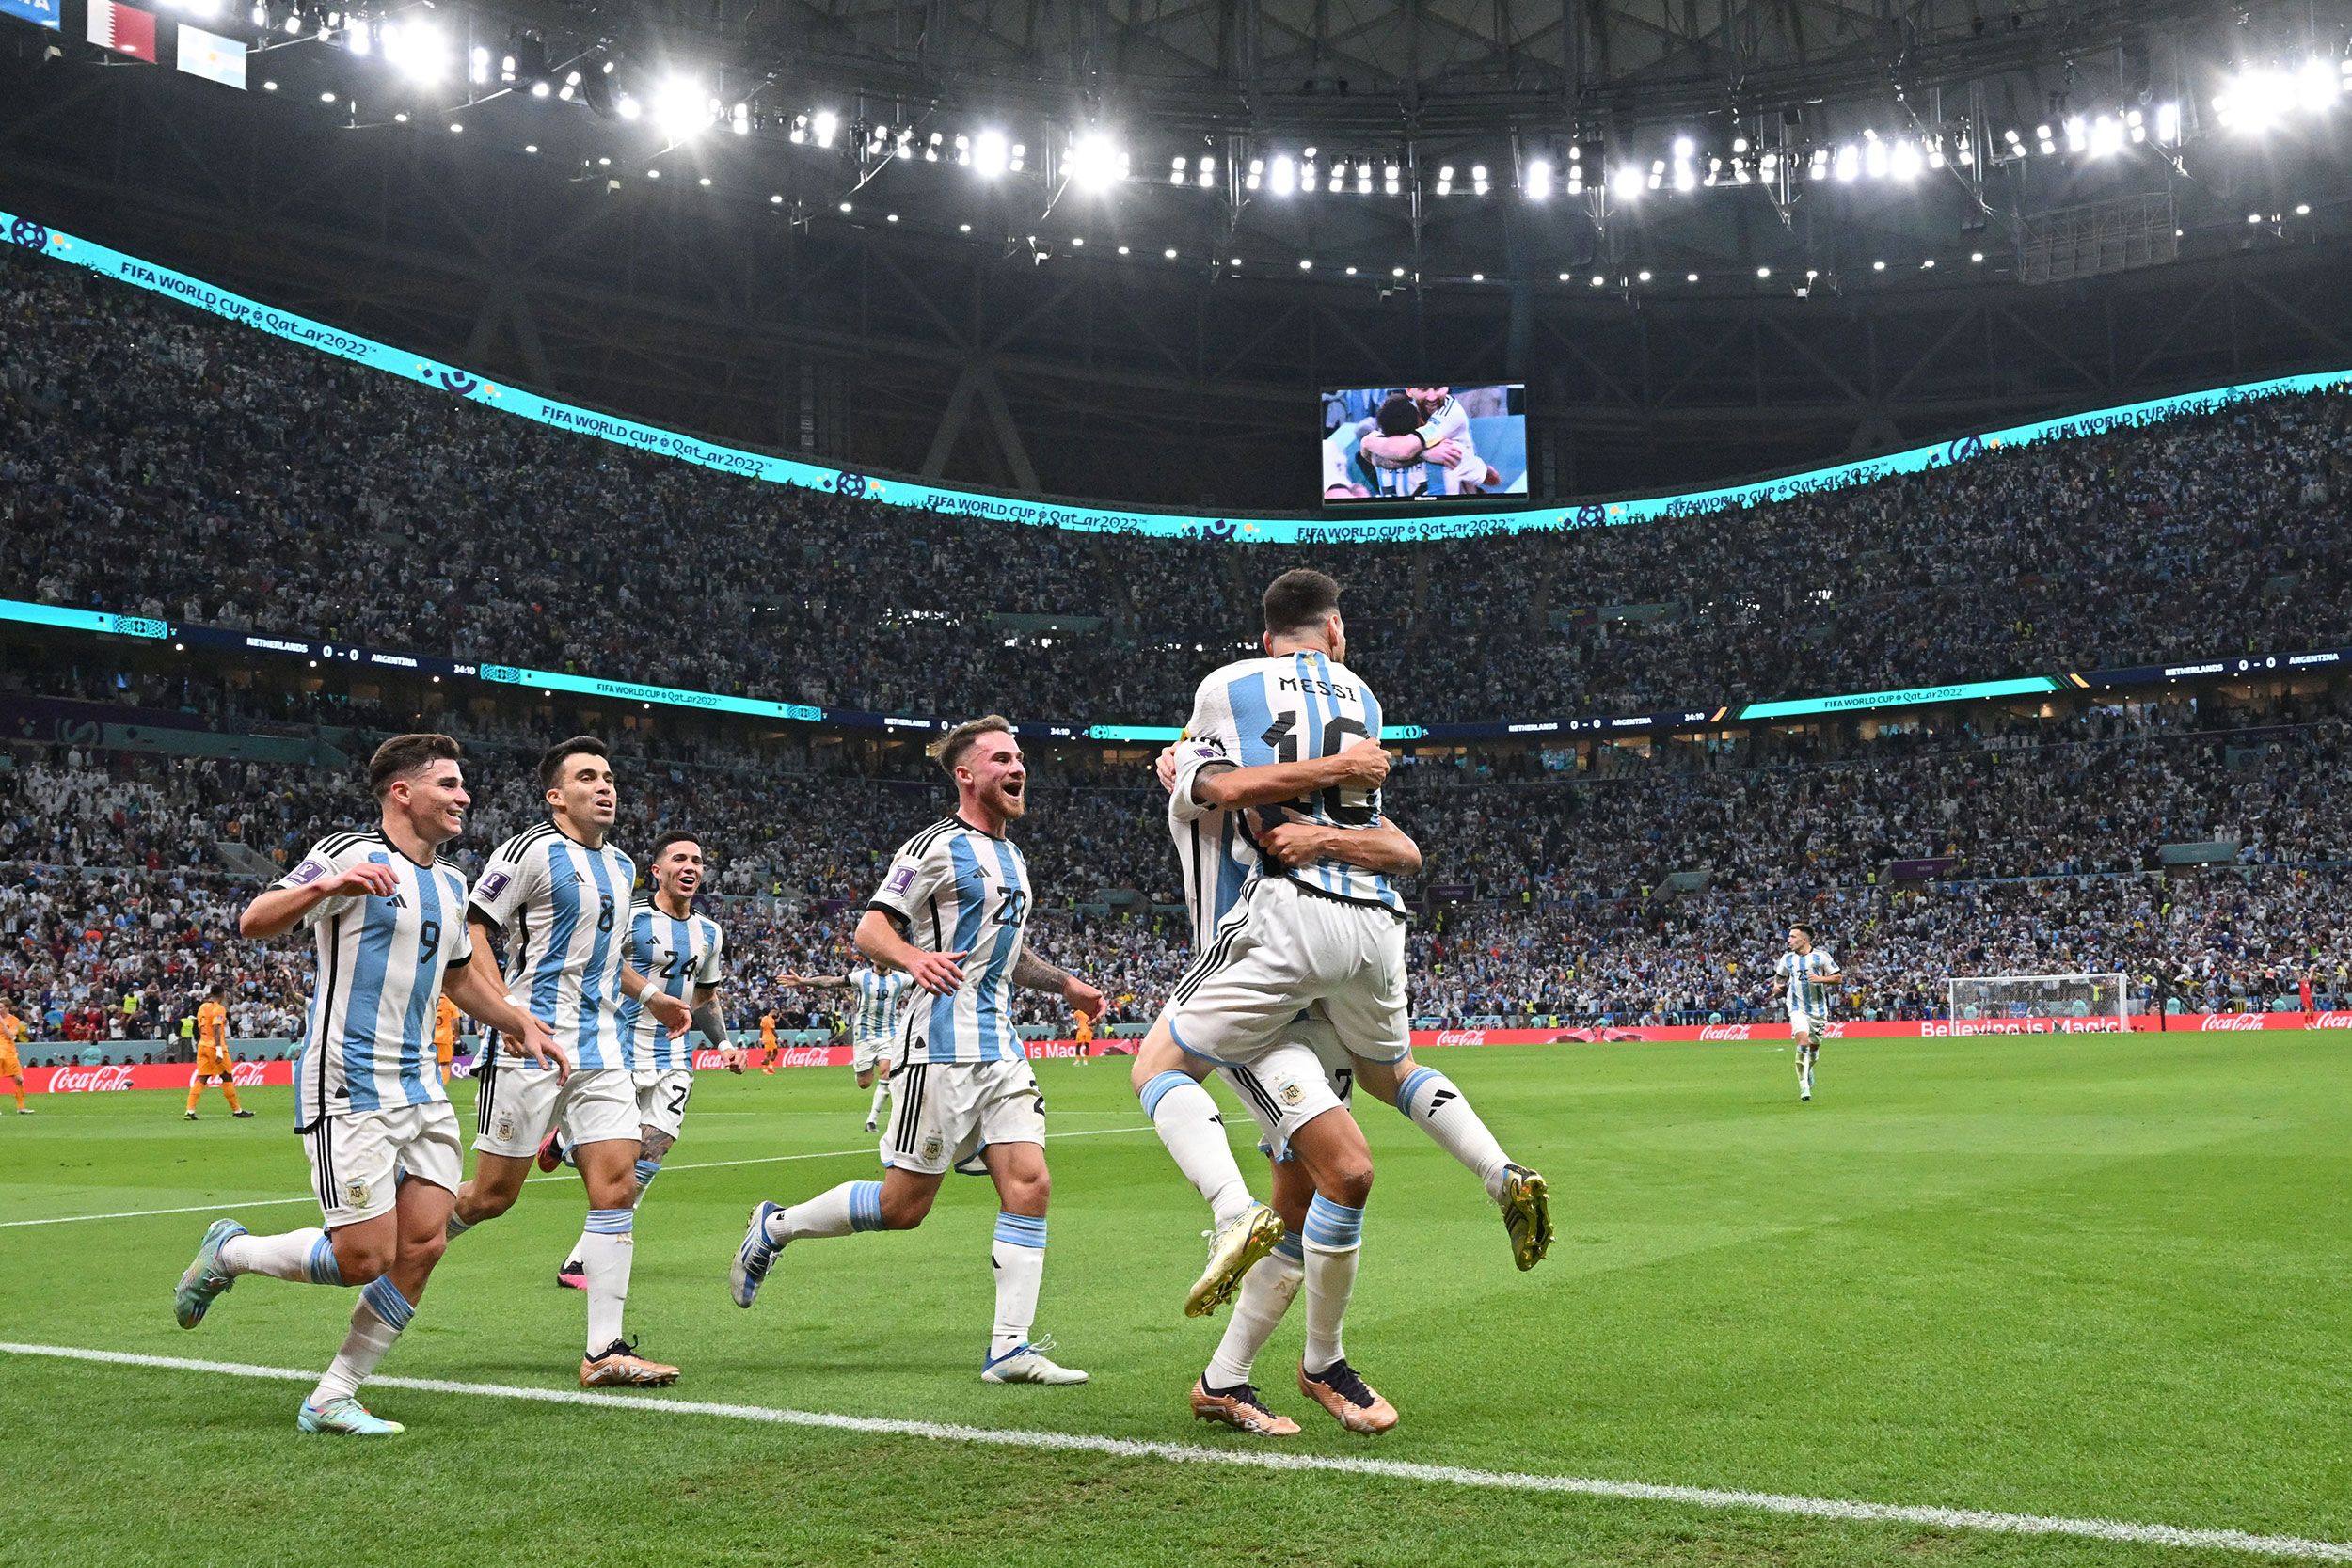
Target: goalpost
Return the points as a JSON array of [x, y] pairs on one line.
[[2034, 1003]]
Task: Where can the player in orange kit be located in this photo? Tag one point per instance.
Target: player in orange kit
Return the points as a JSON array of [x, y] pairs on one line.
[[445, 1017], [769, 1046], [1085, 1037], [13, 1029], [212, 1055]]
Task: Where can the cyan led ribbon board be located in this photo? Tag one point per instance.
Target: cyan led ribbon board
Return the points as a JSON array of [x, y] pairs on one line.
[[1267, 529], [1910, 696]]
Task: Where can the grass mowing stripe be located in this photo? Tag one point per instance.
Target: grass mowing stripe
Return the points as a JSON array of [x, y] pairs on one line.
[[699, 1164], [1835, 1508]]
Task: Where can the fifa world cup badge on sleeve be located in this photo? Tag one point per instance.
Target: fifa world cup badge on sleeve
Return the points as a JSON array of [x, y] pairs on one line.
[[900, 879], [494, 884], [308, 872]]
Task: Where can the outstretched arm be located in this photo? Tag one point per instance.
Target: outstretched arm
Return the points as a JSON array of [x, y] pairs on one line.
[[1031, 972]]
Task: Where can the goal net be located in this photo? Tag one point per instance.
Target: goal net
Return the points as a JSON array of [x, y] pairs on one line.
[[2038, 1004]]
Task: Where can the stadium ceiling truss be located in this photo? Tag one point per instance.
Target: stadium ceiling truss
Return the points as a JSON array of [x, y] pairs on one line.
[[752, 312]]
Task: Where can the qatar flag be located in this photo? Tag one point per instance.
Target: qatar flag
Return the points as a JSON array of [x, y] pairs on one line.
[[124, 29]]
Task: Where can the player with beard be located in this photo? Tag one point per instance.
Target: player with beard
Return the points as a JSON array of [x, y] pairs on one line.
[[952, 913]]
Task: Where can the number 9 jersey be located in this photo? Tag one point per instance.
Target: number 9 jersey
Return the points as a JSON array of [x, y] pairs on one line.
[[368, 1044], [1296, 707], [564, 909]]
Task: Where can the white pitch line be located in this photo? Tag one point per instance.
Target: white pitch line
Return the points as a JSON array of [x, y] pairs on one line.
[[1841, 1509], [699, 1164]]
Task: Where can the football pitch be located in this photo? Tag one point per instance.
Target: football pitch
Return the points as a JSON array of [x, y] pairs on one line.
[[1979, 1285]]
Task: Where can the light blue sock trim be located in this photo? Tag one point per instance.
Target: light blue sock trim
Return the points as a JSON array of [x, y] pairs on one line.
[[865, 1206], [612, 1222], [384, 1298], [321, 1264], [457, 1226], [1019, 1229], [1159, 1088], [1411, 1087], [1334, 1226], [1290, 1246], [647, 1171]]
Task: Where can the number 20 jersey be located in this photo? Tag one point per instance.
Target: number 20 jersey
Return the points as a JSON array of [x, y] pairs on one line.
[[1297, 707], [955, 889], [564, 909]]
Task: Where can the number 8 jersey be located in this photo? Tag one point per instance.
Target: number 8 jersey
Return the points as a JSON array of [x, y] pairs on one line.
[[1297, 707], [564, 909], [368, 1044]]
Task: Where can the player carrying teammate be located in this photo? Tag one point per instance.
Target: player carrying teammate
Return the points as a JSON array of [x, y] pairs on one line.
[[213, 1064], [388, 914], [1805, 974], [561, 893], [966, 1079], [680, 952]]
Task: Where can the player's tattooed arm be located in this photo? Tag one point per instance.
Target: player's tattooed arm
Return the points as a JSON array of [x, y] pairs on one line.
[[1031, 972], [1387, 849], [1362, 764], [707, 1018]]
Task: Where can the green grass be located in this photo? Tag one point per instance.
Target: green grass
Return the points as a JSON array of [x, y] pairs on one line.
[[2088, 1276]]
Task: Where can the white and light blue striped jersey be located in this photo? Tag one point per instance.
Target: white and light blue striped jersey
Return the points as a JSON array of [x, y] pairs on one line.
[[1216, 856], [1806, 994], [677, 956], [1296, 708], [874, 1018], [564, 909], [368, 1043], [955, 889]]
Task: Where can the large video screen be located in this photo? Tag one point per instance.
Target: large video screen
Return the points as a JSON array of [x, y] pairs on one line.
[[1392, 444]]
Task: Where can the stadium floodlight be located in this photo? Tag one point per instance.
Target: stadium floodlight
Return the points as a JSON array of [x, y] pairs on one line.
[[1874, 158], [991, 154], [1627, 183], [1849, 162], [2077, 134], [1176, 168], [1096, 162], [824, 125], [1538, 182], [1763, 272], [1598, 280], [2107, 137], [359, 38], [418, 50], [1391, 180], [1283, 174], [2316, 86], [1904, 162], [680, 108], [1207, 175], [2042, 135], [1818, 165], [1478, 179]]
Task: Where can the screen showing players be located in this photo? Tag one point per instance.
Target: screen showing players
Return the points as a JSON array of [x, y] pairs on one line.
[[1424, 444]]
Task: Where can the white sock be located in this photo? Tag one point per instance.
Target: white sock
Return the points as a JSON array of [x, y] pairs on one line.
[[1019, 1257], [881, 1092], [1431, 1103], [605, 1253], [1265, 1294], [852, 1206], [1189, 1125], [1334, 1242], [306, 1257], [647, 1171], [382, 1312]]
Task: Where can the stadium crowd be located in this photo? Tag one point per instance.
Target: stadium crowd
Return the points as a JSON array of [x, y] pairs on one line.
[[1659, 893], [158, 461]]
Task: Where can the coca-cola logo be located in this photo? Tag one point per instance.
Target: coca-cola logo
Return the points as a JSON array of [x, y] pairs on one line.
[[806, 1055], [1725, 1032], [1461, 1036], [710, 1061], [2230, 1022], [91, 1080], [2335, 1021], [248, 1075]]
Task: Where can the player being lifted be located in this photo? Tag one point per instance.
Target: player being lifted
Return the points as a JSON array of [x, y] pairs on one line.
[[561, 893], [1804, 975], [388, 916], [1311, 928], [964, 1082], [213, 1064], [680, 952]]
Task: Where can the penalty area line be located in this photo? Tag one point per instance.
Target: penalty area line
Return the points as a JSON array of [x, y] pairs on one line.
[[1841, 1509], [559, 1176]]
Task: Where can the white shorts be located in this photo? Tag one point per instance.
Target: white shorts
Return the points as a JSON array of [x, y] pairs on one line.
[[947, 1111], [1809, 1024], [353, 1157], [867, 1049], [662, 1099], [1310, 1072], [1280, 951], [519, 1101]]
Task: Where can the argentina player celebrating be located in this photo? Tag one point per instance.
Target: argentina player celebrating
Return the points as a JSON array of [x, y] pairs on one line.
[[560, 892], [951, 914], [388, 914], [681, 952]]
